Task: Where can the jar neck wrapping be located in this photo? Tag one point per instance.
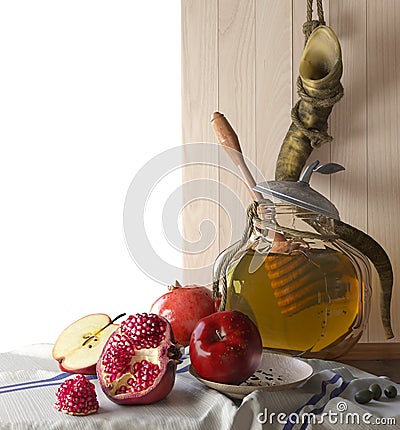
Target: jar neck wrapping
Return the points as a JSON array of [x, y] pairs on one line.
[[293, 221]]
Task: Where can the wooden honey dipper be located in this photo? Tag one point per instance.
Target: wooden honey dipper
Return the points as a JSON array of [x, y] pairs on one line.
[[227, 138], [295, 279]]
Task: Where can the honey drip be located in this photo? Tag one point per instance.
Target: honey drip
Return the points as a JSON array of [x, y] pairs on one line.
[[303, 301]]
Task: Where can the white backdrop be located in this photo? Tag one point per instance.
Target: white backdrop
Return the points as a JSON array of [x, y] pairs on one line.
[[89, 92]]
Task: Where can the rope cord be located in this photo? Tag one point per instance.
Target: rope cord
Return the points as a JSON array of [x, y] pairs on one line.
[[226, 257], [311, 24]]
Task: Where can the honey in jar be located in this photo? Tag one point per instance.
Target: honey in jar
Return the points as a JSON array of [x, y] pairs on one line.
[[304, 301]]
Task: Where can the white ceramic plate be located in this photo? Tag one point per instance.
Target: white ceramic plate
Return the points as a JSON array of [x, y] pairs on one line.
[[277, 372]]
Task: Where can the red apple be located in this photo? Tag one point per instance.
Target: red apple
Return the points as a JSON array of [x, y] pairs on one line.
[[79, 346], [226, 347], [183, 307]]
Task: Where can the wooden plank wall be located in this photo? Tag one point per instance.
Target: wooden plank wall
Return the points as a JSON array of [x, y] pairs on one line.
[[241, 57]]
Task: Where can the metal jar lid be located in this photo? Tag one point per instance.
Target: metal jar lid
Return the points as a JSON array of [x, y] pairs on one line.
[[300, 193]]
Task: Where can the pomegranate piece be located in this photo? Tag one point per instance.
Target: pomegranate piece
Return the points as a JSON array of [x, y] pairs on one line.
[[138, 362], [77, 396], [183, 307]]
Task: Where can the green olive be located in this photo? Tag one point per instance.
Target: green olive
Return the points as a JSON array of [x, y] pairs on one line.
[[390, 392], [363, 396], [376, 391]]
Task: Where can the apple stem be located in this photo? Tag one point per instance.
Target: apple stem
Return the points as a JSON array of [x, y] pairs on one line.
[[219, 335], [107, 325], [115, 319]]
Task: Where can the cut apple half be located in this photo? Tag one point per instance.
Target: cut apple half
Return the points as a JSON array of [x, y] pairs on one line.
[[79, 346]]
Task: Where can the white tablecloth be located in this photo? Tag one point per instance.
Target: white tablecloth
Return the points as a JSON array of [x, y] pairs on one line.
[[29, 379]]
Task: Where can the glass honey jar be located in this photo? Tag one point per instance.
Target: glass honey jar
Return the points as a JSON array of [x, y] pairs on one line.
[[307, 291]]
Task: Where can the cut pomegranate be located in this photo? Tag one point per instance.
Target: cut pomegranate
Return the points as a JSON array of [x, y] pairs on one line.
[[77, 396], [138, 362]]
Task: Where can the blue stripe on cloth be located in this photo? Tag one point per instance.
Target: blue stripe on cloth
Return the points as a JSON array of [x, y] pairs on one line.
[[313, 401], [54, 378], [183, 369], [333, 394], [39, 383]]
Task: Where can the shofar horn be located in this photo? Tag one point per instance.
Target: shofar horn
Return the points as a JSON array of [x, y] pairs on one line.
[[319, 89]]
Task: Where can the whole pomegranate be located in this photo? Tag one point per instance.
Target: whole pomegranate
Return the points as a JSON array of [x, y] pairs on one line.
[[183, 307], [138, 362]]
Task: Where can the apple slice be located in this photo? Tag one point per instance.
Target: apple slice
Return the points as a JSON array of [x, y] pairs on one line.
[[79, 346]]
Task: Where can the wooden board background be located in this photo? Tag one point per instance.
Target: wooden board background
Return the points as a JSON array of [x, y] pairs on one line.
[[241, 57]]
